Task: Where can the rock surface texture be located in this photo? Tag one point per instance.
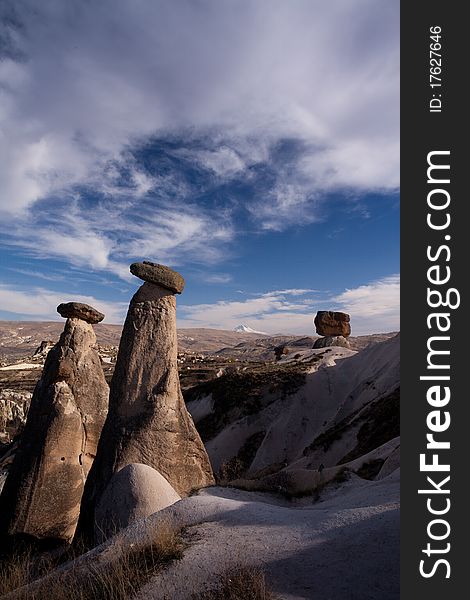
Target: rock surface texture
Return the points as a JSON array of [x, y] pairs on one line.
[[332, 323], [13, 409], [134, 492], [329, 340], [147, 421], [43, 490]]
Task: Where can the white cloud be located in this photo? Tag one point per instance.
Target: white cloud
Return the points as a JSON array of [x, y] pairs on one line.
[[273, 312], [108, 236], [286, 204], [85, 82], [292, 292], [374, 308], [217, 278], [223, 161], [41, 303], [263, 309], [38, 274]]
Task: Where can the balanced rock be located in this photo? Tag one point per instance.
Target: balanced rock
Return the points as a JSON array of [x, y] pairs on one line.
[[43, 490], [336, 340], [159, 275], [134, 492], [332, 323], [147, 420], [78, 310]]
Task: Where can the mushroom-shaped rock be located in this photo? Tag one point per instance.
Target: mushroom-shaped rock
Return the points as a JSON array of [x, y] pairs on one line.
[[331, 340], [43, 490], [147, 421], [78, 310], [331, 323], [134, 492], [159, 275]]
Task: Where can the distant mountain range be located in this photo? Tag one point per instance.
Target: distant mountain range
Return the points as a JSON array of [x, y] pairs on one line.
[[20, 339]]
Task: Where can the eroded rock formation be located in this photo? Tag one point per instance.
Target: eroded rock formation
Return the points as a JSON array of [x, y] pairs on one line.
[[42, 493], [134, 492], [147, 421]]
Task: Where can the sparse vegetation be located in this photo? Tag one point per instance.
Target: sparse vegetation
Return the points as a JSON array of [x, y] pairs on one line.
[[239, 583], [15, 572], [326, 439], [380, 423], [285, 484], [230, 470], [341, 476], [116, 580], [370, 470], [244, 393], [237, 466]]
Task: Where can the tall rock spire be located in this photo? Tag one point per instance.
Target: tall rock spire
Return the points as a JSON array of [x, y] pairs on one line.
[[42, 493], [147, 421]]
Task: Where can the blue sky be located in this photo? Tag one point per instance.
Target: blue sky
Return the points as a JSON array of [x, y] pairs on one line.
[[252, 145]]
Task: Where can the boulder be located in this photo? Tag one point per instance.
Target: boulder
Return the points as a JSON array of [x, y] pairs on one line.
[[147, 421], [43, 490], [332, 323], [78, 310], [159, 275], [331, 340], [134, 492]]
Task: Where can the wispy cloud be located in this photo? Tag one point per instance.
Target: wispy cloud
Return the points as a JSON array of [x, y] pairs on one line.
[[83, 85], [38, 274], [218, 278], [374, 308], [257, 310], [40, 303], [107, 236]]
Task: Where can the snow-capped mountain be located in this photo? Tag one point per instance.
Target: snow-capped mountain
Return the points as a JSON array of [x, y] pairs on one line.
[[245, 329]]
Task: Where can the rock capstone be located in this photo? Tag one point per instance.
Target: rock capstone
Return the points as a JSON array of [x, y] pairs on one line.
[[147, 420], [134, 492], [159, 275], [78, 310], [331, 323], [42, 493]]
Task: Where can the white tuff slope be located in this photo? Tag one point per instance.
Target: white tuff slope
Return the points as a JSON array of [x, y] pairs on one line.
[[341, 383], [346, 546], [328, 551]]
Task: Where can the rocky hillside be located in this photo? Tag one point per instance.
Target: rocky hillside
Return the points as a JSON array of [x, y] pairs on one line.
[[20, 339], [322, 407]]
